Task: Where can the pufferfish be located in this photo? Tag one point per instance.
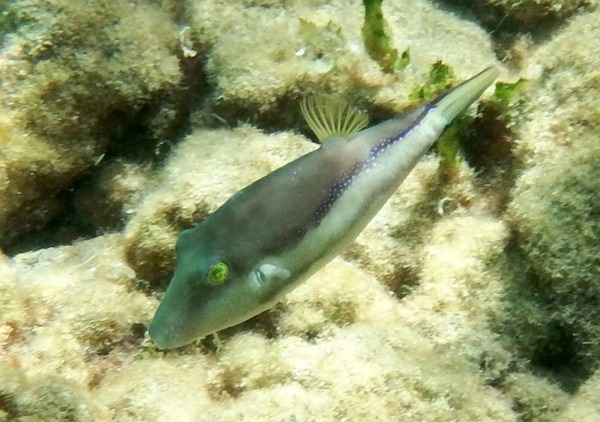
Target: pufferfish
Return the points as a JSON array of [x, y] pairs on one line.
[[278, 231]]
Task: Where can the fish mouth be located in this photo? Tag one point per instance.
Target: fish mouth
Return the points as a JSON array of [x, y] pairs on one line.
[[162, 338], [167, 331], [170, 337]]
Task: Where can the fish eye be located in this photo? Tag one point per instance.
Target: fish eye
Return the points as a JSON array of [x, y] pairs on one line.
[[217, 273]]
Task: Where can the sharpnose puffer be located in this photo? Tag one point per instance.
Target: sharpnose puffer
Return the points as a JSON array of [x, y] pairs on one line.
[[274, 234]]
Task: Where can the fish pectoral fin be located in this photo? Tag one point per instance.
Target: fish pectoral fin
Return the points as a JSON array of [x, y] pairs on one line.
[[332, 117], [272, 274], [271, 280]]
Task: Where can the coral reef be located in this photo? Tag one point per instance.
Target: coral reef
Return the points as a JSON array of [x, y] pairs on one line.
[[73, 80], [111, 194], [524, 15], [471, 298], [585, 405], [304, 49], [554, 211], [321, 361]]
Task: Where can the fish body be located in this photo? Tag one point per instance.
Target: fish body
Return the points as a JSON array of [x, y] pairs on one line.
[[274, 234]]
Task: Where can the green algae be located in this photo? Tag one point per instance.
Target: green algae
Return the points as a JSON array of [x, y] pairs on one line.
[[448, 145], [506, 93], [439, 77], [485, 139], [8, 21], [378, 40], [554, 309], [490, 139], [321, 38]]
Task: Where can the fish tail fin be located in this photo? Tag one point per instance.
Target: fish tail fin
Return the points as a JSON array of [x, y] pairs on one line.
[[455, 101]]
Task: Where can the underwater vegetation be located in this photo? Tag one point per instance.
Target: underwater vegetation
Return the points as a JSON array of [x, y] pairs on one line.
[[487, 138], [440, 77], [377, 39], [488, 141], [471, 298], [70, 94], [552, 306], [537, 16]]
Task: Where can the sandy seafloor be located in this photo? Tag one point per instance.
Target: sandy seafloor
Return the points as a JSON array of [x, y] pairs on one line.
[[474, 294]]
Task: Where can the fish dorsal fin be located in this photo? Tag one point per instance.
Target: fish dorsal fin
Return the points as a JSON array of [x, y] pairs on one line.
[[328, 117]]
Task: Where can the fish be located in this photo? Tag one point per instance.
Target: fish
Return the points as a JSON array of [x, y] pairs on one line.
[[277, 232]]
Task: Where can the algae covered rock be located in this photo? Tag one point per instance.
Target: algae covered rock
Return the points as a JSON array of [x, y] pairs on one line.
[[554, 212], [518, 15], [72, 307], [346, 348], [112, 193], [447, 307], [74, 79], [318, 48], [11, 302], [585, 405], [45, 398], [79, 303], [380, 362]]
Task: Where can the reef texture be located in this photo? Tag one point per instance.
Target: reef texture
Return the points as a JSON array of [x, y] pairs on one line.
[[523, 15], [74, 78], [555, 211], [473, 295]]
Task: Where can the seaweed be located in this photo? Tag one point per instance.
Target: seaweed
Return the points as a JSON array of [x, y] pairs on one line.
[[448, 146], [490, 138], [486, 139], [440, 77], [378, 40], [505, 93]]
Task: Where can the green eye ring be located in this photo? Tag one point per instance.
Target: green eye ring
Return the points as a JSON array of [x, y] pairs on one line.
[[217, 273]]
